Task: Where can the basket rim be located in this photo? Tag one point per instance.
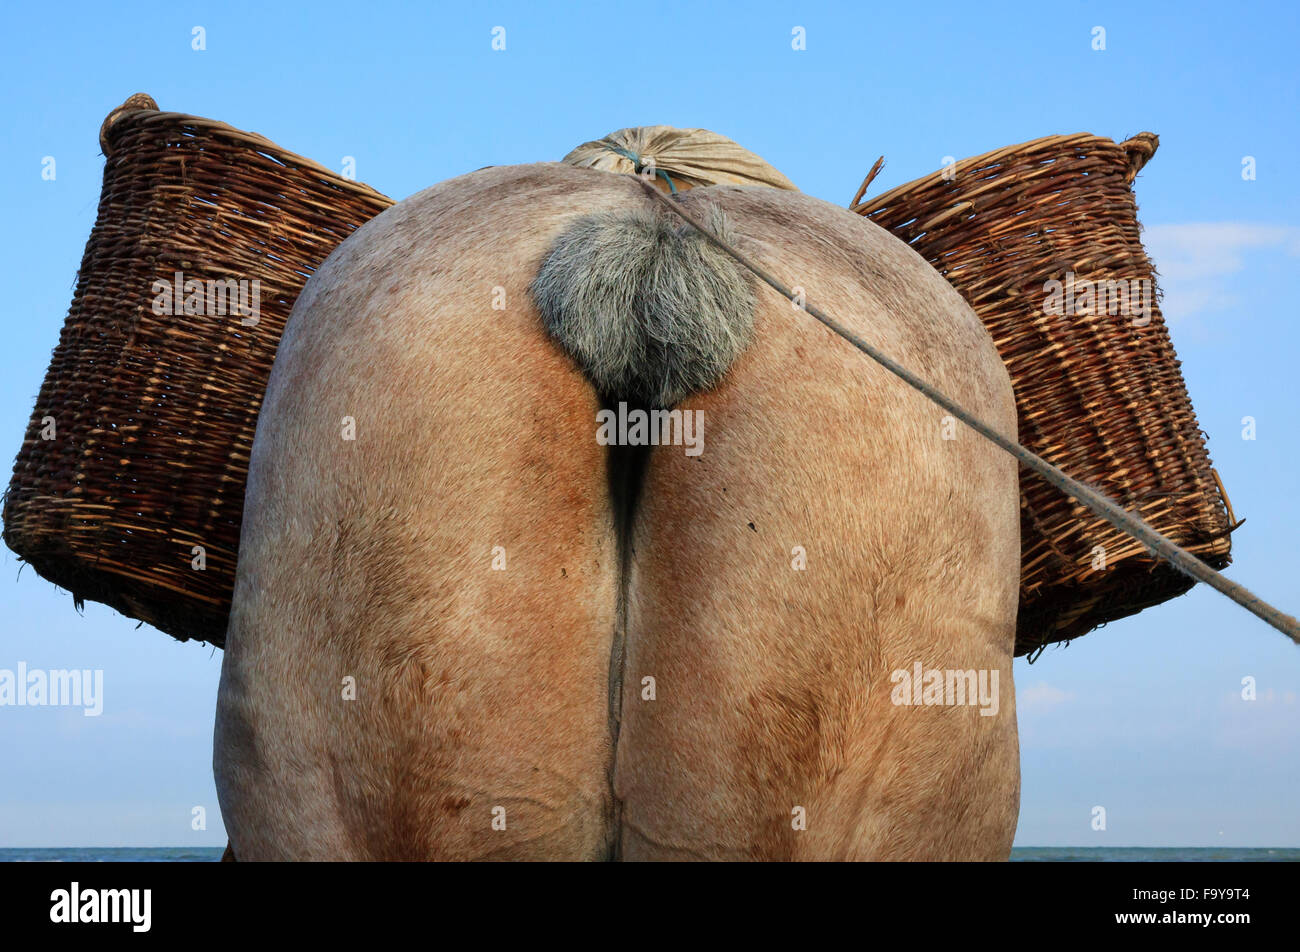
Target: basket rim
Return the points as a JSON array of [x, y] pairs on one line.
[[260, 142], [1140, 148]]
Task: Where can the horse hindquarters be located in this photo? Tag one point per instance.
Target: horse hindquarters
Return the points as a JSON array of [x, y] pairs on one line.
[[827, 536], [481, 724]]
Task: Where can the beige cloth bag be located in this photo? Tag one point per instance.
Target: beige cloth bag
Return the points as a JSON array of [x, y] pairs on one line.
[[690, 157]]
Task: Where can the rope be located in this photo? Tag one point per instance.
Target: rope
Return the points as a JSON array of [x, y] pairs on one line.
[[1099, 504], [639, 165]]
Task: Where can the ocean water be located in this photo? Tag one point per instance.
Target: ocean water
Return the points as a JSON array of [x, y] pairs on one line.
[[118, 854], [1028, 854], [1151, 854]]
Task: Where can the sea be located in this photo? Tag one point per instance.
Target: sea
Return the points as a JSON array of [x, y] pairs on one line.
[[1027, 854]]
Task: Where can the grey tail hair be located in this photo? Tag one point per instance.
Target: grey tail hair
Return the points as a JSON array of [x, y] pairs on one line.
[[649, 308]]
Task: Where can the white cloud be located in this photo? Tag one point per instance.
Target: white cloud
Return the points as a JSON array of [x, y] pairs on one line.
[[1041, 697], [1196, 261]]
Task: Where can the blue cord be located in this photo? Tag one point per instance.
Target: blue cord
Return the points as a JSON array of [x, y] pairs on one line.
[[639, 165]]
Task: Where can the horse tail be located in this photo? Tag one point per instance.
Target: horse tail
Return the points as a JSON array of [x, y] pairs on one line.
[[649, 308]]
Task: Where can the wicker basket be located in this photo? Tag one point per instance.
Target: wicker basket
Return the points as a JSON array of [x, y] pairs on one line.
[[1097, 384], [129, 487]]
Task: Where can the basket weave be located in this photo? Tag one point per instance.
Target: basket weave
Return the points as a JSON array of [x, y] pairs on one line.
[[1098, 394], [154, 414]]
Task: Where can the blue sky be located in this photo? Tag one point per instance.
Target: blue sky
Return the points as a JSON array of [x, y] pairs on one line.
[[1144, 717]]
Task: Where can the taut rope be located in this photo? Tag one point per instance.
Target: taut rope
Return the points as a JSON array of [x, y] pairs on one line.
[[1102, 506]]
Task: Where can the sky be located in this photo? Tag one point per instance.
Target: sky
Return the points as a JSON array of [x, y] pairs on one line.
[[1144, 718]]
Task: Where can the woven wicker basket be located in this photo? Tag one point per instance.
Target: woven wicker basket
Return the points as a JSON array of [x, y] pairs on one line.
[[1097, 384], [137, 451]]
